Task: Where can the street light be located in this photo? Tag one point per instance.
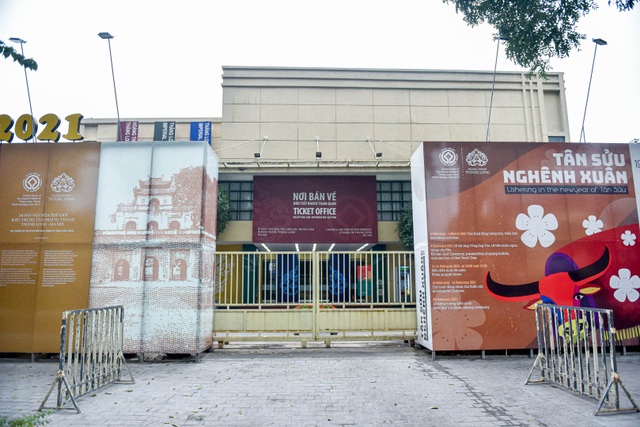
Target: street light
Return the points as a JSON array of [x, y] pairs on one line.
[[598, 42], [498, 39], [22, 42], [377, 154], [108, 37]]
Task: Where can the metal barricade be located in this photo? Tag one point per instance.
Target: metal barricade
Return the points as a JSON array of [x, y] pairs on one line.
[[90, 354], [576, 350]]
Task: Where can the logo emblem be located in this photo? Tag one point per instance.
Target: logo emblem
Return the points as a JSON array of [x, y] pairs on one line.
[[63, 183], [32, 182], [448, 157], [477, 158]]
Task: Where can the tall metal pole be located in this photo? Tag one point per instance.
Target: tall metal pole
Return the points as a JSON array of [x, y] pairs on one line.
[[33, 125], [108, 37], [493, 83], [598, 42]]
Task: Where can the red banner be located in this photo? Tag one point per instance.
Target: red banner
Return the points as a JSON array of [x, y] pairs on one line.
[[315, 209], [128, 131]]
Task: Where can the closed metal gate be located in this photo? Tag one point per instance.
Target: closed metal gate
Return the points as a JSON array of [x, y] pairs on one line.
[[314, 296]]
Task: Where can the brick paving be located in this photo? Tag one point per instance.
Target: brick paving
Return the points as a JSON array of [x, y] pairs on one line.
[[363, 384]]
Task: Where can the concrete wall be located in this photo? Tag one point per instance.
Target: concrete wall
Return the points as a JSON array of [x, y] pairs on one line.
[[395, 109]]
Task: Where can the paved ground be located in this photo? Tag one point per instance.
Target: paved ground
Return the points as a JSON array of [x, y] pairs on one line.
[[348, 384]]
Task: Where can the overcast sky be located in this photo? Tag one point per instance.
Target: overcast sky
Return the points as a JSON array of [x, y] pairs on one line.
[[168, 55]]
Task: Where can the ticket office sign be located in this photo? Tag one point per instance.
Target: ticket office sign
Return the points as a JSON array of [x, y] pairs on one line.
[[315, 209]]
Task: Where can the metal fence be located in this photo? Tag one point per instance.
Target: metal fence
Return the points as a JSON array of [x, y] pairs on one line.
[[90, 354], [576, 350], [287, 279], [314, 296]]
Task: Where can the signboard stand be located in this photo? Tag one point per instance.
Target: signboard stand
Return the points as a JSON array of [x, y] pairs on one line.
[[565, 214]]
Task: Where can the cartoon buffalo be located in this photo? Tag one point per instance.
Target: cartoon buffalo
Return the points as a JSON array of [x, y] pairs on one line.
[[565, 284]]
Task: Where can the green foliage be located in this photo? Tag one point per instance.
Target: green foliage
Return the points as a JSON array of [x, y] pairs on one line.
[[537, 30], [189, 186], [7, 51], [404, 228], [224, 210], [624, 5], [35, 420]]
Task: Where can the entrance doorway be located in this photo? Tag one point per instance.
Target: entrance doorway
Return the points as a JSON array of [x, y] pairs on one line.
[[314, 296]]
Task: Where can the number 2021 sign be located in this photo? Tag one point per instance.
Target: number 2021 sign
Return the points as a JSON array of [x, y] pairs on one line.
[[26, 127]]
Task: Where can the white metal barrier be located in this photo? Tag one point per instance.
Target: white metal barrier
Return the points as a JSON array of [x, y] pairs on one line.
[[314, 296], [576, 350], [90, 354]]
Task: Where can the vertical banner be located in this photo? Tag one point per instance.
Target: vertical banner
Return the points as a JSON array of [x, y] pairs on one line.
[[201, 131], [129, 131], [403, 283], [46, 231], [288, 269], [155, 241], [421, 250], [339, 277], [164, 131], [364, 283], [509, 225], [634, 150]]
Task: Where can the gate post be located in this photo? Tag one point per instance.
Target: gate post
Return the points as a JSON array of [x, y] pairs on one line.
[[316, 266]]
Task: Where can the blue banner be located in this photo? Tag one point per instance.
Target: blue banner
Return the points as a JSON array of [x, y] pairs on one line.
[[201, 131], [288, 278]]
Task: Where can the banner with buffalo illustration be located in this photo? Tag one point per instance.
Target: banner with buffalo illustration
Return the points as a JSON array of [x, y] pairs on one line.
[[500, 227]]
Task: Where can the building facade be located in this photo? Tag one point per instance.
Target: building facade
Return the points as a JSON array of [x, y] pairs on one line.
[[351, 122]]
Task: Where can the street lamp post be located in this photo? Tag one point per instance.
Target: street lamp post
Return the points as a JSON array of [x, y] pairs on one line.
[[498, 39], [22, 42], [598, 42], [108, 37]]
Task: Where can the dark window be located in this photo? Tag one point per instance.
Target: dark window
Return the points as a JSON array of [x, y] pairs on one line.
[[392, 196], [240, 199]]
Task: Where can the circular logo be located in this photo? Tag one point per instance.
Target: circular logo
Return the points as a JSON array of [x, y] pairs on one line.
[[448, 157], [32, 182]]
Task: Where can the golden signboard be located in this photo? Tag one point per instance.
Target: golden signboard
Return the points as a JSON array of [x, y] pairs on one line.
[[46, 232]]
